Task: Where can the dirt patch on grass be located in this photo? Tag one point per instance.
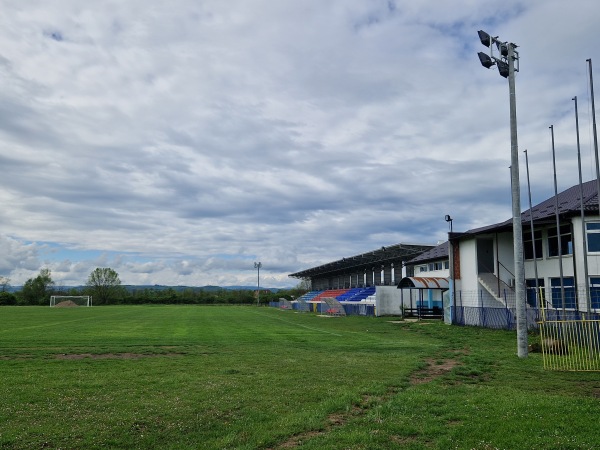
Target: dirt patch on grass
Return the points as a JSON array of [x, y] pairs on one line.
[[403, 441], [435, 369], [14, 357], [297, 441], [115, 355], [337, 419], [66, 304]]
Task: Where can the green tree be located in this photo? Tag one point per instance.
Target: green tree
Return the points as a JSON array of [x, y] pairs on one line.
[[37, 290], [305, 285], [7, 298], [104, 284], [4, 283]]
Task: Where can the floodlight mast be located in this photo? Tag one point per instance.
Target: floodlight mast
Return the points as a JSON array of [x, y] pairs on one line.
[[508, 64], [257, 266]]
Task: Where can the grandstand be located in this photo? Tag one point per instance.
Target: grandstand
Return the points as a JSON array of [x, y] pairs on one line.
[[381, 267], [359, 301], [363, 284], [341, 295]]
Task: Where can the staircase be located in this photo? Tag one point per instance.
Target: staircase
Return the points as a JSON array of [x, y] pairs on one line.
[[490, 283]]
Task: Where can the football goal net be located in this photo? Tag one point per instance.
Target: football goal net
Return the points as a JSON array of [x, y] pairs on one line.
[[333, 308], [285, 304], [65, 301], [303, 305]]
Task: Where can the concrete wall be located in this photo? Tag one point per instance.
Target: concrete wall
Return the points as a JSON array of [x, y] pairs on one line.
[[388, 300], [468, 265], [593, 258], [505, 253]]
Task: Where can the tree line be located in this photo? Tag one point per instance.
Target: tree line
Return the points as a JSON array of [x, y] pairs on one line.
[[105, 287]]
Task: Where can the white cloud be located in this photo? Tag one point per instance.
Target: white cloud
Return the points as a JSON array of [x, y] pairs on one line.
[[178, 143]]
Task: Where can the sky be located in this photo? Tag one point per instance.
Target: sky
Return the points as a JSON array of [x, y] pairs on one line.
[[180, 142]]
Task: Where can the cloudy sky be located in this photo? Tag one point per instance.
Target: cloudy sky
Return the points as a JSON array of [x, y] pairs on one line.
[[179, 142]]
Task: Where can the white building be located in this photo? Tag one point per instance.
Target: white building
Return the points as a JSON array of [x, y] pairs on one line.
[[482, 259]]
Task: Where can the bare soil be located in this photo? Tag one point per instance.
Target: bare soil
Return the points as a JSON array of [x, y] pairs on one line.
[[66, 304], [435, 369], [115, 355]]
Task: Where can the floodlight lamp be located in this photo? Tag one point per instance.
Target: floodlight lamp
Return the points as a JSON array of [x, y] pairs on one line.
[[448, 218], [485, 38], [503, 68], [486, 60], [502, 48]]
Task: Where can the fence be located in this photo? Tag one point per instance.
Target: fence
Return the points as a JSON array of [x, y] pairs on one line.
[[569, 336], [571, 345], [506, 318], [567, 297], [351, 309]]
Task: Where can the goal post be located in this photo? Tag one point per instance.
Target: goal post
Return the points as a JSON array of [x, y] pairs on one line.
[[70, 300]]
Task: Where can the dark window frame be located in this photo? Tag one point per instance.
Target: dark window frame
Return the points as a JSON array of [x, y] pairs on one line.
[[570, 293], [566, 241], [528, 246], [595, 292], [592, 234]]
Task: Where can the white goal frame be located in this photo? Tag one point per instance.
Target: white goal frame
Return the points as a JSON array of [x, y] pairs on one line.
[[87, 298]]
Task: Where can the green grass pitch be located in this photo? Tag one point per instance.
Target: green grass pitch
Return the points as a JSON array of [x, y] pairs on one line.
[[224, 377]]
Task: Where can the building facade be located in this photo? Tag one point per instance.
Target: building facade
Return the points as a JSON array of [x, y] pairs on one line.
[[562, 257]]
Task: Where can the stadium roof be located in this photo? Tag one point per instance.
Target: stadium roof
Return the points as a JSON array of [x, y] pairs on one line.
[[391, 253], [438, 252], [544, 212]]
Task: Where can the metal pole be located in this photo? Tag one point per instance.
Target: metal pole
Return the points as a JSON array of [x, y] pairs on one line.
[[560, 265], [452, 279], [257, 266], [535, 268], [522, 349], [595, 133], [581, 211], [497, 265]]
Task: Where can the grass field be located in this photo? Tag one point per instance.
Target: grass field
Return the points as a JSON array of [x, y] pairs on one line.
[[246, 377]]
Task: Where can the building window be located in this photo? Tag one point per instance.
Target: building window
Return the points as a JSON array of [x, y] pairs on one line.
[[569, 287], [532, 295], [593, 236], [595, 292], [422, 268], [435, 266], [566, 241], [446, 264], [529, 245]]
